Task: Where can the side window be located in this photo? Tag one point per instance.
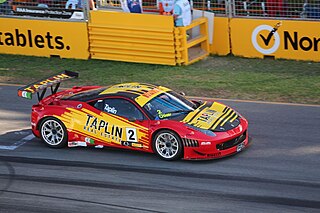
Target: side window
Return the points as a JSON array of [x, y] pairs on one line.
[[120, 107], [97, 104]]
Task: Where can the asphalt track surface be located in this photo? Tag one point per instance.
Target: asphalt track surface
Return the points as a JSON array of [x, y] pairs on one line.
[[279, 172]]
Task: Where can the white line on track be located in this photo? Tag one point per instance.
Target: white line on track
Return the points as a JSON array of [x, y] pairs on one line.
[[18, 143]]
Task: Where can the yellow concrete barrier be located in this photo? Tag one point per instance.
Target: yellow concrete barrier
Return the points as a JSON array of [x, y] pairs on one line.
[[255, 38], [144, 38], [194, 49], [220, 41], [44, 38]]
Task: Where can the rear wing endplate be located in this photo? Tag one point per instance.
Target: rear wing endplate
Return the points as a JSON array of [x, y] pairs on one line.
[[40, 87]]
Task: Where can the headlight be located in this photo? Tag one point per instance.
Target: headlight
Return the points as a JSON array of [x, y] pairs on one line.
[[204, 131]]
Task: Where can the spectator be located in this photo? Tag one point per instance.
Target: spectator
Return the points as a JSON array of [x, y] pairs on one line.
[[5, 7], [311, 10], [132, 6], [166, 7], [182, 13], [76, 4], [43, 3], [275, 8], [73, 3]]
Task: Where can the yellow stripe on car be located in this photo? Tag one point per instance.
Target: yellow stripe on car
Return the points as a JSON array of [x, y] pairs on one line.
[[220, 119], [228, 118]]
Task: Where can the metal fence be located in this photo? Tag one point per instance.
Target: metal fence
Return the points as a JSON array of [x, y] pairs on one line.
[[290, 9], [76, 9], [53, 9]]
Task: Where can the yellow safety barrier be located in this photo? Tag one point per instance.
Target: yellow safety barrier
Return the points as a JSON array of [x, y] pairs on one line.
[[220, 41], [109, 35], [44, 38], [286, 39], [194, 49], [143, 38]]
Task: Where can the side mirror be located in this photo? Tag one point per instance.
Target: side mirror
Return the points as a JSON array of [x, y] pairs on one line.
[[132, 119], [182, 93]]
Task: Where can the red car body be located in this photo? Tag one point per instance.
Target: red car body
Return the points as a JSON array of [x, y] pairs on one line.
[[137, 116]]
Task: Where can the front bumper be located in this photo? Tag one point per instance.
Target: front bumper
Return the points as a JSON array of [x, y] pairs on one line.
[[195, 155], [228, 143]]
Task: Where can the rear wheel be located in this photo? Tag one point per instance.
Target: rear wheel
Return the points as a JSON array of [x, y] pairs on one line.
[[53, 133], [167, 144]]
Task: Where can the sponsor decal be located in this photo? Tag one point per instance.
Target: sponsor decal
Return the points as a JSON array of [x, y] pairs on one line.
[[47, 12], [102, 127], [77, 143], [163, 115], [29, 39], [205, 143], [131, 135], [240, 147], [304, 43], [271, 41], [151, 92], [89, 140], [207, 116], [127, 86], [272, 35], [214, 154], [110, 109], [25, 94], [52, 80], [132, 144]]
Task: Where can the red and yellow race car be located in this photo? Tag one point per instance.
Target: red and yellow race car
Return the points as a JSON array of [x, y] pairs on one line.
[[135, 116]]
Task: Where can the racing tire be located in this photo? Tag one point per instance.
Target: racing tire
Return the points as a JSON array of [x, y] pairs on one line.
[[167, 144], [53, 133]]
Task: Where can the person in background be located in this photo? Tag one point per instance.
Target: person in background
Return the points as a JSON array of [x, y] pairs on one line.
[[77, 4], [131, 6], [182, 13], [275, 8], [73, 3], [43, 3], [166, 7], [5, 7]]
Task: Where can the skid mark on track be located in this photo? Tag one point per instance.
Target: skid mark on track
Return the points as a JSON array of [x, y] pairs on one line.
[[18, 143], [88, 202]]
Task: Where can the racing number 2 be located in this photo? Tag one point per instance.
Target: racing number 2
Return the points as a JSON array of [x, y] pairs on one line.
[[131, 134]]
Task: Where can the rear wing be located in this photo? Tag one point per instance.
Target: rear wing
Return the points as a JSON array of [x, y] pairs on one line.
[[40, 87]]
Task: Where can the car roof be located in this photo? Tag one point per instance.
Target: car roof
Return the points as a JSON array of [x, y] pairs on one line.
[[140, 92]]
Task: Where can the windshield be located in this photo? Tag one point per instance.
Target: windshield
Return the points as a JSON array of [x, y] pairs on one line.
[[168, 105]]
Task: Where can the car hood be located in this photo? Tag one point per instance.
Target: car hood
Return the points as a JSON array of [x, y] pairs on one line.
[[213, 116]]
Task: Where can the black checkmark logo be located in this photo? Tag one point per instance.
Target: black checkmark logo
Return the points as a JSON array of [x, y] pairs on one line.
[[267, 40]]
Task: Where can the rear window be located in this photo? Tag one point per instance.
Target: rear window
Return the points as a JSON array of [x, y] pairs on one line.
[[85, 95]]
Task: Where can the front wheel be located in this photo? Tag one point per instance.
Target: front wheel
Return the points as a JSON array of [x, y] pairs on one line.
[[167, 145], [53, 133]]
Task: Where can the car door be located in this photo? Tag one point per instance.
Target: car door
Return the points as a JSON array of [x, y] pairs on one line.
[[121, 123]]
